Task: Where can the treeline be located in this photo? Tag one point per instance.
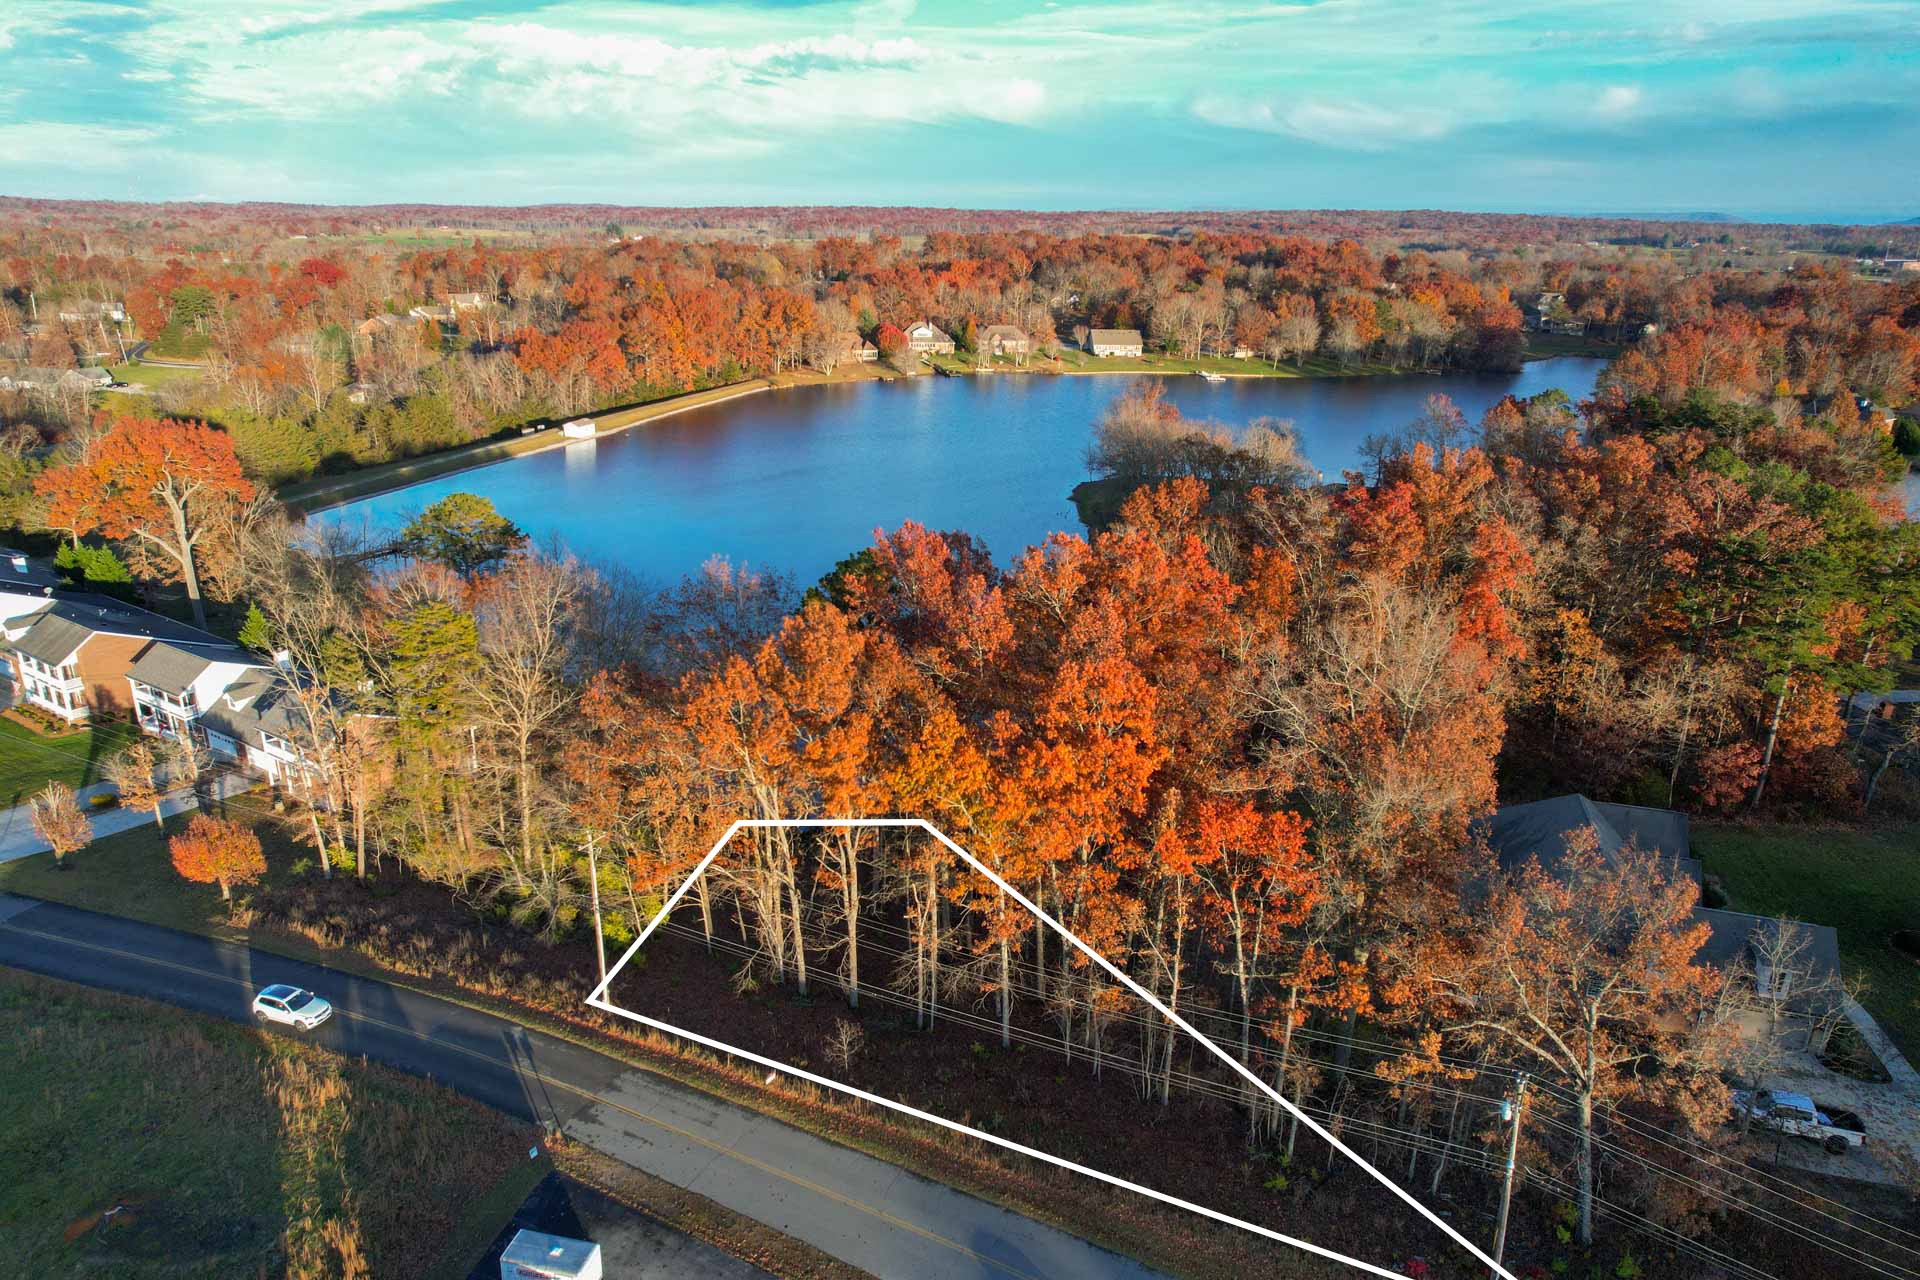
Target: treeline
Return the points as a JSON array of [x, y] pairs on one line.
[[186, 221]]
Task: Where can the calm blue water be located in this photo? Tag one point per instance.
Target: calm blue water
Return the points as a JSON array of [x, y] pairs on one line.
[[795, 480]]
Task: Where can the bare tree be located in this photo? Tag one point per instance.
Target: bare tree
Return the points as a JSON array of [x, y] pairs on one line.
[[844, 1044], [525, 616], [58, 820]]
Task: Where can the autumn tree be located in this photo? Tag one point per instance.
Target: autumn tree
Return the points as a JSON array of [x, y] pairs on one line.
[[218, 851], [1589, 976], [155, 481]]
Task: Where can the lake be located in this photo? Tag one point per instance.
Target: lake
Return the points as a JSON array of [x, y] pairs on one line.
[[794, 480]]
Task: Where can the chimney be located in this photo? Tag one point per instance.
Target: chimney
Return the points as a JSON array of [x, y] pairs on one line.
[[283, 659]]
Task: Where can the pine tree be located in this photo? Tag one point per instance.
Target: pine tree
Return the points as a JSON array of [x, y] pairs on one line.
[[254, 633]]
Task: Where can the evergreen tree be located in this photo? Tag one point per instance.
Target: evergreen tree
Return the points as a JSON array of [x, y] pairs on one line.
[[463, 532], [254, 633], [96, 569]]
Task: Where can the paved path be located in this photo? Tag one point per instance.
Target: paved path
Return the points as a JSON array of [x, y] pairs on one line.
[[854, 1207], [18, 839]]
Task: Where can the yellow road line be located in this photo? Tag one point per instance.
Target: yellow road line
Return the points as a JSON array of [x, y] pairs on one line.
[[567, 1086]]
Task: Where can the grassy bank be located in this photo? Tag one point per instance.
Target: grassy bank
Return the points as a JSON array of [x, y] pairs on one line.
[[230, 1149], [1863, 881], [1548, 346], [321, 492], [153, 375]]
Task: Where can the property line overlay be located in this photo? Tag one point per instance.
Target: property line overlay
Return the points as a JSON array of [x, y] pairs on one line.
[[598, 999]]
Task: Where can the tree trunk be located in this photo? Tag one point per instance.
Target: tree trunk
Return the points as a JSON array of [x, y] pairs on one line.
[[189, 574], [799, 939], [1879, 772], [1773, 736], [1586, 1167], [1006, 994]]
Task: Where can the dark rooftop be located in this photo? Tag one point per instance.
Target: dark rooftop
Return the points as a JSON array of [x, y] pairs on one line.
[[65, 622]]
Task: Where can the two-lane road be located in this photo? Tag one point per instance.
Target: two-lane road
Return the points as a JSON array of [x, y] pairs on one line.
[[854, 1207]]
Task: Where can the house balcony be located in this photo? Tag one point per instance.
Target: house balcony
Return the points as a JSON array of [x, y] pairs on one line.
[[64, 698], [162, 721]]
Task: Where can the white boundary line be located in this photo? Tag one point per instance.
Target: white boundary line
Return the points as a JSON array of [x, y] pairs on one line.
[[598, 999]]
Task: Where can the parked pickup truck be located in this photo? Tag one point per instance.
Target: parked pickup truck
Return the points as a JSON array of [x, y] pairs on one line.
[[1797, 1114]]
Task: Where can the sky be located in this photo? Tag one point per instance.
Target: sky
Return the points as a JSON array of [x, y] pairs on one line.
[[1802, 109]]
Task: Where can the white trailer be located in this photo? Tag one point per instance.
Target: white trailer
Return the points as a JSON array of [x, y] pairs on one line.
[[534, 1255]]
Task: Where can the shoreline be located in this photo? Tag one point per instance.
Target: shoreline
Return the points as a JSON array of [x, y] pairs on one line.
[[308, 497], [371, 482]]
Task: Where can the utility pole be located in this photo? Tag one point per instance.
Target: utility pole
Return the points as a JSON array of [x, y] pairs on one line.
[[1510, 1112], [593, 887]]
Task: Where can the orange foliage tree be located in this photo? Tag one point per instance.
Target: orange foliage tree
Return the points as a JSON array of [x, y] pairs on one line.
[[155, 481], [218, 851]]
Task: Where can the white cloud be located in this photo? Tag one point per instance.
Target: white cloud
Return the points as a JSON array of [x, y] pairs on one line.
[[1619, 102], [74, 146], [1355, 125]]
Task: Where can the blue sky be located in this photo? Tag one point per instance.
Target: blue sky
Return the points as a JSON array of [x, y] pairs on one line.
[[1803, 108]]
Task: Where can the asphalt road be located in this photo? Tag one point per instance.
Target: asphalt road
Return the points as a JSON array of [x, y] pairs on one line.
[[854, 1207]]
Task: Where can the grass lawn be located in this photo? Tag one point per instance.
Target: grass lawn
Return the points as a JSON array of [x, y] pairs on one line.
[[1072, 361], [175, 343], [1865, 882], [152, 375], [1545, 346], [229, 1146], [29, 761]]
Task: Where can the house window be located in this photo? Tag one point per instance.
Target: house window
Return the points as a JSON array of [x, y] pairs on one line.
[[1772, 983]]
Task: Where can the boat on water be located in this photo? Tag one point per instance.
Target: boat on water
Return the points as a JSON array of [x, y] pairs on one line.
[[1211, 376]]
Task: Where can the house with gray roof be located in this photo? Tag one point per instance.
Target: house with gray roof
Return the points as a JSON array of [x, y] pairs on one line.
[[72, 654], [172, 683], [257, 721], [926, 337], [1115, 342], [1798, 972]]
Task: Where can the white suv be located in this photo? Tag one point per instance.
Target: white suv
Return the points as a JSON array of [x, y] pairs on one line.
[[291, 1005]]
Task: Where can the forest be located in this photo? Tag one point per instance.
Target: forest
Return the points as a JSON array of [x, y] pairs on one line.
[[1241, 738]]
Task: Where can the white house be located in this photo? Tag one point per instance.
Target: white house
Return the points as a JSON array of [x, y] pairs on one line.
[[926, 336], [1115, 342], [71, 654], [257, 722], [172, 684], [86, 310]]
